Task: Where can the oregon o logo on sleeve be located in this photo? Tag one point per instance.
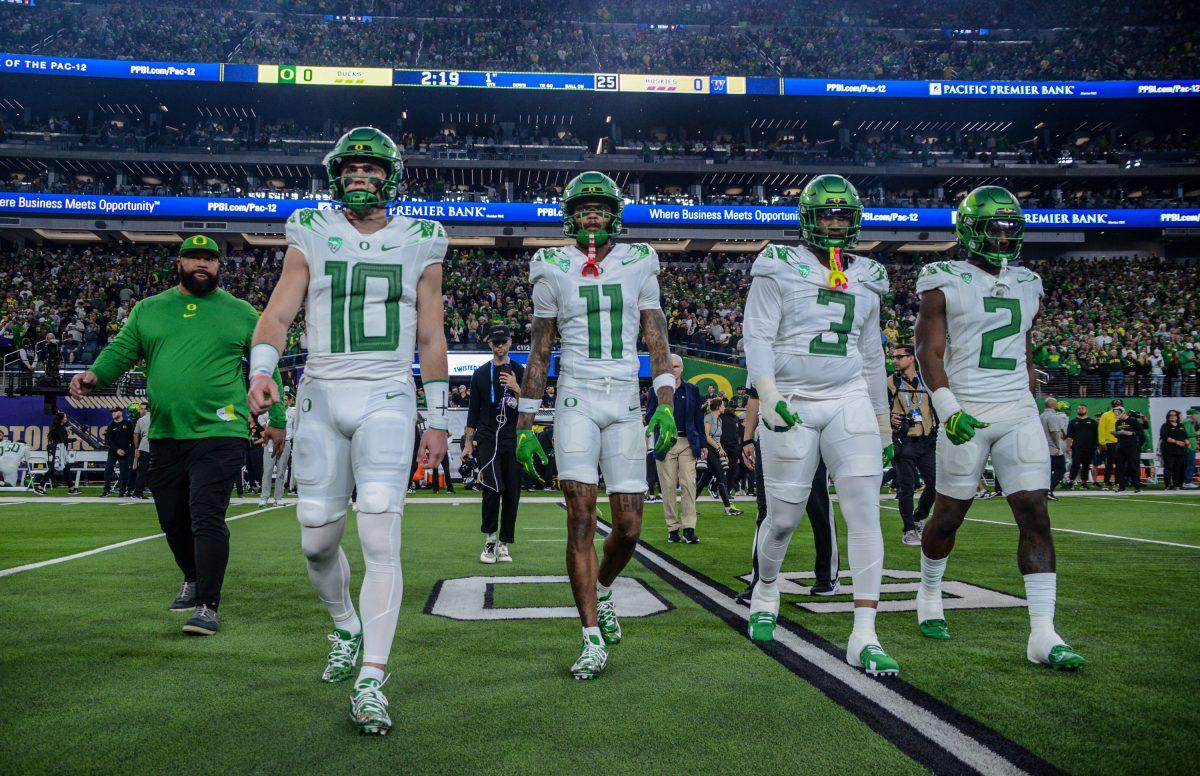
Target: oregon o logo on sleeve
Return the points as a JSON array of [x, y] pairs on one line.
[[570, 401]]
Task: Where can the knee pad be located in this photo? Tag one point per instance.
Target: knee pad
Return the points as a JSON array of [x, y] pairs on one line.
[[314, 513], [377, 497]]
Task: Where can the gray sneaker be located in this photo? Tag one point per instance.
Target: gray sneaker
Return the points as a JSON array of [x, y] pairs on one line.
[[186, 600], [203, 622], [912, 538]]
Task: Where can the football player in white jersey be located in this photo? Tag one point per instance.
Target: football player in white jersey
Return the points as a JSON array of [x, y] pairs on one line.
[[275, 461], [371, 286], [599, 294], [814, 353], [974, 348], [13, 455]]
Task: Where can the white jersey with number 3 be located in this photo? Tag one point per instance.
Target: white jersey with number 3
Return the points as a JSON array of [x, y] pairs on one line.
[[985, 355], [361, 309], [811, 340], [598, 318]]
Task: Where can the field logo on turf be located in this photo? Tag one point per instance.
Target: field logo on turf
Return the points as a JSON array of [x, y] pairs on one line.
[[471, 599], [955, 594]]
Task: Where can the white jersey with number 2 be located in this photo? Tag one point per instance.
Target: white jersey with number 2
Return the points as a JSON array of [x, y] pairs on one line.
[[985, 355], [361, 309]]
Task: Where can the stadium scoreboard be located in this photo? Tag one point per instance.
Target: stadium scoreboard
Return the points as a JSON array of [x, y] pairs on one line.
[[285, 75]]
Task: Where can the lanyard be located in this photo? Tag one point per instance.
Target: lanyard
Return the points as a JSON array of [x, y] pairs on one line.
[[904, 393]]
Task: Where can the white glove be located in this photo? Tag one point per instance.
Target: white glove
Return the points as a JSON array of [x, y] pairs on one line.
[[773, 409]]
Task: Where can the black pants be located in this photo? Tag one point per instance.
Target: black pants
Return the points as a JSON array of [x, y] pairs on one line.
[[820, 516], [1081, 463], [734, 456], [713, 474], [915, 457], [1058, 467], [651, 474], [1110, 463], [118, 466], [1129, 466], [254, 466], [141, 476], [501, 481], [1174, 466], [191, 481]]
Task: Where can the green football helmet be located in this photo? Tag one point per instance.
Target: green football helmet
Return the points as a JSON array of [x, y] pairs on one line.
[[835, 194], [591, 186], [990, 214], [365, 143]]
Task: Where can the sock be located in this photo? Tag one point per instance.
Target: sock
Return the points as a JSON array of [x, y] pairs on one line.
[[775, 532], [370, 672], [1040, 591], [864, 624], [859, 499], [328, 568], [492, 536], [383, 583], [351, 624], [602, 591], [592, 635], [931, 576]]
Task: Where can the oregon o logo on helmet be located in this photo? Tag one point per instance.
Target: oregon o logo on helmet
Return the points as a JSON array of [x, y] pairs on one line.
[[359, 146]]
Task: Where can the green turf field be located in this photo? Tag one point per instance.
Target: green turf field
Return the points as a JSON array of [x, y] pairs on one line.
[[95, 675]]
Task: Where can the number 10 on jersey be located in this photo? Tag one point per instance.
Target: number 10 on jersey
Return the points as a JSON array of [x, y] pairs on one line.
[[360, 313]]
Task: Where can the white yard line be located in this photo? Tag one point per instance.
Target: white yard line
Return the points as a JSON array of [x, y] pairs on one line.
[[106, 548]]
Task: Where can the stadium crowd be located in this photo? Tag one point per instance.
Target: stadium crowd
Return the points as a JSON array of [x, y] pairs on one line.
[[875, 41], [1110, 325]]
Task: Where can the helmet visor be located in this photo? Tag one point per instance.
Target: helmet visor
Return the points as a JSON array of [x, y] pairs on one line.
[[1003, 234]]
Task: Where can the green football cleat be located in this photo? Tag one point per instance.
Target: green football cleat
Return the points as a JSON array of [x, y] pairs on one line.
[[935, 629], [368, 708], [1063, 658], [342, 656], [591, 660], [875, 662], [606, 614], [762, 626]]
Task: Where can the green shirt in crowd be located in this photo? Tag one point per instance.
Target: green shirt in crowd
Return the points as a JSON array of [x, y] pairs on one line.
[[1191, 430], [193, 347]]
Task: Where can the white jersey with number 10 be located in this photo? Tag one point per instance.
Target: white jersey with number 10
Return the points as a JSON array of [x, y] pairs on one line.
[[985, 356], [361, 309]]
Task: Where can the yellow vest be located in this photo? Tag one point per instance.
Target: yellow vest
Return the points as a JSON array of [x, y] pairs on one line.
[[1108, 424]]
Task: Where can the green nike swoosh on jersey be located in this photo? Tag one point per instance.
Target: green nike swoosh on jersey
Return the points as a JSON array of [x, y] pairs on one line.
[[391, 396], [389, 247]]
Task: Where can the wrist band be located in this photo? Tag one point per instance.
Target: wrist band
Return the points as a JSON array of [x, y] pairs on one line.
[[664, 381], [747, 442], [945, 404], [264, 357], [530, 406]]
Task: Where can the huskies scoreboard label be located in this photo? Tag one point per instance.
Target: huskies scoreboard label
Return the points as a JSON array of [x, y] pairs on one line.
[[669, 84]]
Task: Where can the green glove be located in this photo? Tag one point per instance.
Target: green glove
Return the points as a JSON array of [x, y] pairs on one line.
[[528, 448], [889, 454], [960, 427], [662, 422]]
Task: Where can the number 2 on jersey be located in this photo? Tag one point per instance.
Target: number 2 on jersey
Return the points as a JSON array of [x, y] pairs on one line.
[[987, 359], [359, 341], [818, 346], [616, 309]]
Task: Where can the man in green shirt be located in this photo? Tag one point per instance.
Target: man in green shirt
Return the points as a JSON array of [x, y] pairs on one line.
[[193, 338], [1191, 426]]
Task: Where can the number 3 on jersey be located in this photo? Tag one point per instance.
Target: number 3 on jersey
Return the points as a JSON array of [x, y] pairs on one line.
[[616, 311], [817, 345], [360, 314], [987, 357]]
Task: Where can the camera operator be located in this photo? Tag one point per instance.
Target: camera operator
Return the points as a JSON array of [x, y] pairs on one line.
[[490, 444], [914, 438]]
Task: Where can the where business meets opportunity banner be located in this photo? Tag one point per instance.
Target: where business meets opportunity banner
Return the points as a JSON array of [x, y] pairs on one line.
[[266, 209]]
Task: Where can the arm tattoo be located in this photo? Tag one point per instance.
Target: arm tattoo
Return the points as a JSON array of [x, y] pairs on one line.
[[534, 384], [654, 333]]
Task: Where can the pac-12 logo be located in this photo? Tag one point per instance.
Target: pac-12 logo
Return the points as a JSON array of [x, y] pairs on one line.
[[935, 89]]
